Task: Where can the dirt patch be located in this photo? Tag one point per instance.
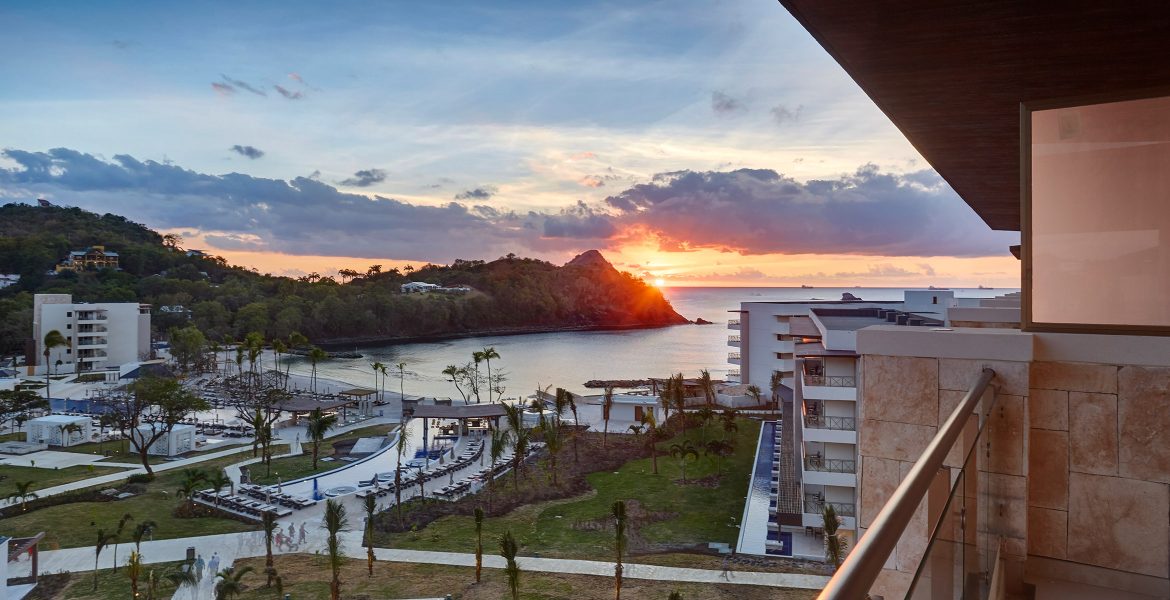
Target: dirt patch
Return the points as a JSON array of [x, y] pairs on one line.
[[710, 481]]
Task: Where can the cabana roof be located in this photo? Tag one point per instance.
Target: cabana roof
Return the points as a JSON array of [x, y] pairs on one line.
[[465, 411]]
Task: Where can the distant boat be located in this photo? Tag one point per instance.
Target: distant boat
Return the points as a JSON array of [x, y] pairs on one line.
[[986, 288], [806, 287]]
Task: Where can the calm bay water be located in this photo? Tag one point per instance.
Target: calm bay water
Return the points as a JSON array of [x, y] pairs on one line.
[[570, 359]]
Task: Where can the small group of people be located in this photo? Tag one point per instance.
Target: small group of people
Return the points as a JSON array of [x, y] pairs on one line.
[[290, 538], [211, 565]]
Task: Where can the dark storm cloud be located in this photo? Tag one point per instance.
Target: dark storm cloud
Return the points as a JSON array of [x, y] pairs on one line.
[[243, 85], [782, 114], [479, 193], [760, 211], [579, 222], [365, 178], [723, 104], [251, 152]]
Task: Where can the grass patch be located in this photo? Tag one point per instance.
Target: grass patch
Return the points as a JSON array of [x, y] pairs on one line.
[[295, 467], [675, 516], [15, 436], [122, 452], [79, 585], [306, 577], [47, 478], [75, 524]]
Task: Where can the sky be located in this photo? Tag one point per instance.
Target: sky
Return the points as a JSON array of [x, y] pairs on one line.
[[693, 143]]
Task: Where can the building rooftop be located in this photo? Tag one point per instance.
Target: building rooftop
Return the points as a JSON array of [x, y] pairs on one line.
[[849, 323], [58, 419]]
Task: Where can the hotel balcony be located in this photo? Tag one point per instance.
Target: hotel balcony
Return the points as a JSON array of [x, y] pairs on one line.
[[832, 423], [733, 375], [92, 317], [829, 429], [83, 329], [733, 358], [733, 341], [829, 465], [814, 509], [830, 387], [733, 324], [817, 470], [91, 342], [93, 357]]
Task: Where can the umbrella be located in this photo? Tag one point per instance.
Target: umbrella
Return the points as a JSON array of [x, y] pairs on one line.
[[316, 494]]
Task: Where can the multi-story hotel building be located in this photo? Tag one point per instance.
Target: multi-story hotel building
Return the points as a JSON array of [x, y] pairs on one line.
[[100, 335], [1022, 452]]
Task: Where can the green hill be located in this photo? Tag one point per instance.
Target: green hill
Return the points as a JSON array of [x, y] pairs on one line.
[[510, 293]]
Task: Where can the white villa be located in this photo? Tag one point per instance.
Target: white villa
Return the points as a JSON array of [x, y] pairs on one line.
[[100, 335], [51, 430], [181, 439]]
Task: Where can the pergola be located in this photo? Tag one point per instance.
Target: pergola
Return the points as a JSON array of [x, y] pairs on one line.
[[461, 413], [362, 395], [17, 547], [303, 405]]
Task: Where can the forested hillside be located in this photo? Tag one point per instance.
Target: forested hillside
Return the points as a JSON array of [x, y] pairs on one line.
[[509, 293]]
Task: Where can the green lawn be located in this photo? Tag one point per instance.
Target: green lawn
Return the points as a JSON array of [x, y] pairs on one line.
[[78, 585], [122, 452], [687, 514], [76, 524], [15, 436], [47, 478], [295, 467]]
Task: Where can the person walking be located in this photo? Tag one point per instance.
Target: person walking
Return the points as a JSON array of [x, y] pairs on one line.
[[302, 538], [726, 567], [213, 564], [199, 566]]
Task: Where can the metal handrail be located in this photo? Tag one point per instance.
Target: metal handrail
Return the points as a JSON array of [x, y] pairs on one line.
[[733, 355], [733, 338], [831, 380], [844, 509], [861, 568], [829, 465], [733, 321], [835, 423]]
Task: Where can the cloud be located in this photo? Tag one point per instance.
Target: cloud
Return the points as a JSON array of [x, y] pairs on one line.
[[223, 89], [243, 85], [365, 178], [479, 193], [761, 212], [926, 269], [739, 274], [723, 104], [251, 152], [593, 181], [583, 156], [288, 94], [879, 270], [578, 222], [782, 114], [121, 44]]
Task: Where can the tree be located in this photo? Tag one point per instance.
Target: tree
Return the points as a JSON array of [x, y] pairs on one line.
[[518, 437], [319, 424], [403, 439], [371, 508], [708, 386], [755, 393], [551, 434], [218, 480], [478, 542], [378, 367], [278, 348], [182, 578], [508, 550], [499, 446], [141, 531], [684, 451], [706, 415], [53, 339], [718, 450], [117, 534], [678, 398], [268, 526], [22, 494], [103, 540], [193, 479], [652, 436], [835, 544], [316, 355], [15, 404], [455, 374], [229, 585], [134, 572], [489, 353], [401, 380], [576, 423], [476, 358], [187, 346], [168, 403], [619, 527], [774, 383], [729, 425], [334, 522], [606, 409]]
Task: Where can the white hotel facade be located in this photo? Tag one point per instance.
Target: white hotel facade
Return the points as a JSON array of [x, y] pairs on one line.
[[101, 335], [812, 347]]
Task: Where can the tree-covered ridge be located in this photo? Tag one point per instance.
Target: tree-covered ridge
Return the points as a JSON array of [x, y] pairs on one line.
[[509, 293]]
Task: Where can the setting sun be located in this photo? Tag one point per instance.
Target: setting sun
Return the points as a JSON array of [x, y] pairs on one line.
[[659, 282]]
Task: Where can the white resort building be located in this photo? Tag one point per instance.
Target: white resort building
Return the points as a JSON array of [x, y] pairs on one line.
[[101, 335], [60, 430]]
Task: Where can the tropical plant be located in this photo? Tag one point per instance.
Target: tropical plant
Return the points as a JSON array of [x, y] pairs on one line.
[[508, 550], [22, 494], [53, 339], [619, 546], [229, 585], [488, 354], [193, 479], [319, 424], [334, 522], [678, 398], [316, 355], [370, 504], [576, 423], [478, 542], [403, 439], [141, 531], [728, 417], [134, 572], [499, 447], [218, 480], [518, 437], [774, 383], [708, 386], [606, 409], [401, 380], [706, 415], [718, 450], [268, 526], [117, 534], [756, 394], [551, 434], [835, 544], [377, 366], [183, 577], [67, 432], [278, 348], [476, 358], [683, 452], [103, 540], [457, 373]]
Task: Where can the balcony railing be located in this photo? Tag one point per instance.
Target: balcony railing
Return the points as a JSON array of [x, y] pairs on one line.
[[733, 338], [830, 380], [844, 509], [733, 322], [733, 373], [837, 423], [829, 465], [960, 558], [733, 356]]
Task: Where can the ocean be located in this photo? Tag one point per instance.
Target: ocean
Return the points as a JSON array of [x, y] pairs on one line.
[[569, 359]]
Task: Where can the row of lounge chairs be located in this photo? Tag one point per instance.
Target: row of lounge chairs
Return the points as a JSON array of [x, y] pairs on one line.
[[242, 505], [260, 492]]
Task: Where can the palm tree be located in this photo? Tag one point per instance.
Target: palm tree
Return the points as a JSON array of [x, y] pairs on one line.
[[334, 522], [718, 450], [653, 434], [499, 446], [678, 397], [385, 374], [296, 341], [268, 526], [22, 494], [508, 550], [708, 386], [229, 585], [488, 354], [705, 414], [193, 479], [476, 357], [576, 423], [134, 571], [371, 507], [278, 348], [67, 432], [606, 408], [142, 530], [518, 437], [53, 339], [117, 534], [455, 373], [403, 438], [478, 542], [218, 480], [619, 527], [774, 383], [401, 380], [319, 424], [682, 452], [729, 424], [377, 366], [183, 578], [316, 355], [103, 540], [756, 394], [554, 442], [835, 544]]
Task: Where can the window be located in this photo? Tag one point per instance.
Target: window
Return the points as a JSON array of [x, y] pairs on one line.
[[1096, 231], [934, 299], [69, 326]]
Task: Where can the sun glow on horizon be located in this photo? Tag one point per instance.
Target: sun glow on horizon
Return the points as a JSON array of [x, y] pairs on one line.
[[659, 282]]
